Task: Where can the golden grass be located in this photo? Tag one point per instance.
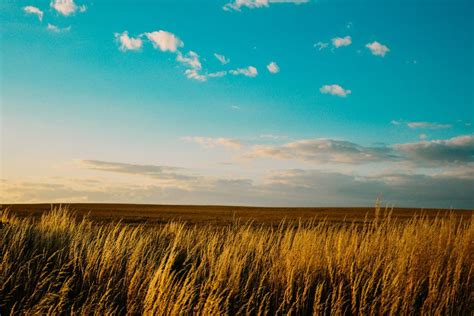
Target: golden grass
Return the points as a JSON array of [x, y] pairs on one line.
[[64, 265]]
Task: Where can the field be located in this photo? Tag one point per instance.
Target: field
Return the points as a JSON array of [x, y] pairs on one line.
[[131, 259], [224, 215]]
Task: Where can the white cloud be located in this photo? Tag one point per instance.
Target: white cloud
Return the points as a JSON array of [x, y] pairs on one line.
[[428, 125], [423, 136], [66, 7], [273, 137], [34, 10], [334, 89], [321, 45], [236, 5], [273, 67], [128, 43], [195, 75], [211, 142], [222, 59], [165, 41], [250, 71], [395, 122], [191, 59], [322, 151], [341, 41], [421, 124], [56, 29], [217, 74], [377, 49]]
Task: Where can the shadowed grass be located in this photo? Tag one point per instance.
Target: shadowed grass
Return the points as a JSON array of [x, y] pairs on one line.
[[61, 264]]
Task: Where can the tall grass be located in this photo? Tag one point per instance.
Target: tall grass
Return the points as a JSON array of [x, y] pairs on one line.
[[63, 265]]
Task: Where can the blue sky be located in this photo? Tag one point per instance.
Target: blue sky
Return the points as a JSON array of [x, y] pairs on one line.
[[371, 98]]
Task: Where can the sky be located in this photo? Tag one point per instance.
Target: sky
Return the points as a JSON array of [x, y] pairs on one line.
[[238, 102]]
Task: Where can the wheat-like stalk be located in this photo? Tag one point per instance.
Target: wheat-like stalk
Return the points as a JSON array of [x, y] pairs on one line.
[[64, 265]]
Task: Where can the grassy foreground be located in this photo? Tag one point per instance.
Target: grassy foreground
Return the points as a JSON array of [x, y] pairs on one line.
[[60, 264]]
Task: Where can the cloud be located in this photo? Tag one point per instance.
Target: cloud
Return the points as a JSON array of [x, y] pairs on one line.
[[341, 41], [293, 187], [128, 43], [403, 190], [34, 10], [217, 74], [210, 142], [395, 122], [191, 59], [67, 7], [273, 137], [250, 71], [322, 151], [236, 5], [377, 49], [165, 41], [455, 150], [195, 75], [428, 125], [321, 45], [421, 124], [156, 172], [423, 136], [334, 89], [56, 29], [223, 60], [273, 67]]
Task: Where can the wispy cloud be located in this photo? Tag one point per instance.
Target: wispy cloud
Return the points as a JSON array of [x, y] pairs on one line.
[[67, 7], [250, 71], [211, 142], [57, 29], [157, 172], [217, 74], [222, 59], [322, 151], [341, 41], [35, 11], [428, 125], [128, 43], [236, 5], [395, 122], [321, 45], [335, 89], [191, 59], [165, 41], [378, 49], [195, 75], [421, 124], [273, 137]]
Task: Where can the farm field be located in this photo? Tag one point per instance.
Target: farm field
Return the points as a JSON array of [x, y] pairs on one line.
[[56, 262], [222, 215]]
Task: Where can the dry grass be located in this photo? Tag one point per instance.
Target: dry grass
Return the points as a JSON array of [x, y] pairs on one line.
[[63, 265]]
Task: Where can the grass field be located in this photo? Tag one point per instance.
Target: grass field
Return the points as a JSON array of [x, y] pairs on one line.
[[223, 215], [60, 262]]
